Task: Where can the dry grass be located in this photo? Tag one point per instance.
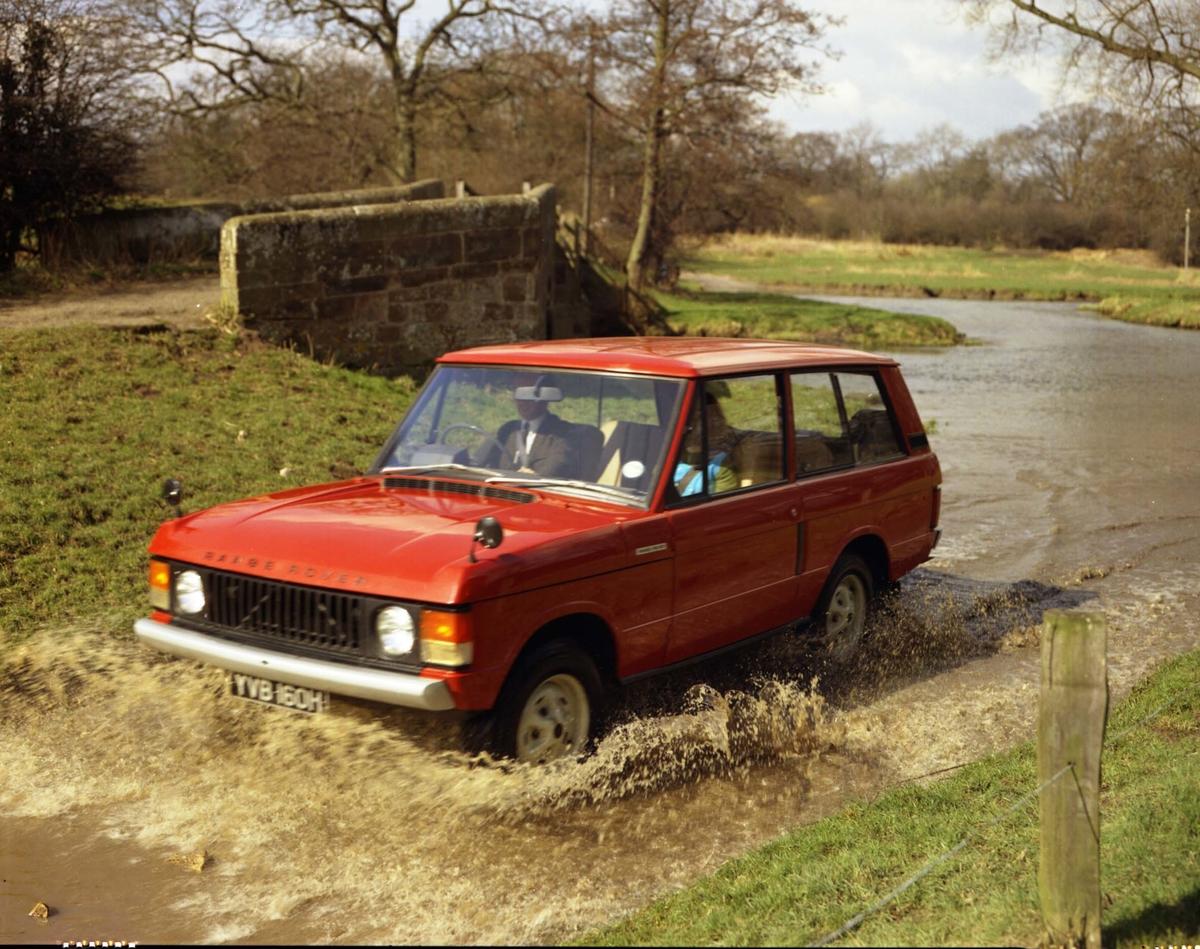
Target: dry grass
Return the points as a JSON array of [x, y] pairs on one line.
[[773, 245], [1127, 256], [1134, 285]]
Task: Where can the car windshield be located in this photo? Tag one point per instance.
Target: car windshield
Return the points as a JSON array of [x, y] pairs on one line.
[[594, 434]]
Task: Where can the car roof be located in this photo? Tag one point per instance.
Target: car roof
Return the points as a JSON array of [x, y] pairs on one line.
[[684, 356]]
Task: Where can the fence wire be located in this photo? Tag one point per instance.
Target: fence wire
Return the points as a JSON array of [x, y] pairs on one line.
[[855, 921]]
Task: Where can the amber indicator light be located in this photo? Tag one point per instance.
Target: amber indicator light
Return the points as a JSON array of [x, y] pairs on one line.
[[160, 575], [445, 627]]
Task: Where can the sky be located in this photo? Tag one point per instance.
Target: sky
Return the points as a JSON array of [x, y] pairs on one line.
[[909, 65], [906, 66]]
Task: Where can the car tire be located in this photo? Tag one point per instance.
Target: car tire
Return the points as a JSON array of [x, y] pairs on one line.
[[548, 707], [839, 621]]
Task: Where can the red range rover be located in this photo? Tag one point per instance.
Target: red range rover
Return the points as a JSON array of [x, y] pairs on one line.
[[551, 519]]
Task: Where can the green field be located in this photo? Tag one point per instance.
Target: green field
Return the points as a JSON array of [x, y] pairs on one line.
[[1129, 285], [93, 420], [808, 884]]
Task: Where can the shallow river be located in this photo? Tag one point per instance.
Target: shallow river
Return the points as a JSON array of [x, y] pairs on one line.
[[1070, 447]]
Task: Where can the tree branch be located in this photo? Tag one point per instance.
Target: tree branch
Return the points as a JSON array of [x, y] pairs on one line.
[[1108, 40]]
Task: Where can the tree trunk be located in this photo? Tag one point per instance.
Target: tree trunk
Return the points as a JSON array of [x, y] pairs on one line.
[[403, 164], [635, 264], [10, 243], [8, 256], [589, 147], [656, 131]]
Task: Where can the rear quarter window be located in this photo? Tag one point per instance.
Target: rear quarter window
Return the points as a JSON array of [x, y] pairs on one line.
[[870, 427], [841, 419]]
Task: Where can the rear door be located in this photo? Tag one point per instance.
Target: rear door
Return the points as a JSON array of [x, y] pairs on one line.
[[853, 473]]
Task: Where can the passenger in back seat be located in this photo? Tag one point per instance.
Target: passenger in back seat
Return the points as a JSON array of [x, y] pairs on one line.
[[722, 440]]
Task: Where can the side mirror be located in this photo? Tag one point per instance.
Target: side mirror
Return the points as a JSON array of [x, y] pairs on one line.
[[488, 533], [172, 493]]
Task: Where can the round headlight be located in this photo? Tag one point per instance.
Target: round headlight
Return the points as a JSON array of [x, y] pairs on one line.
[[396, 631], [189, 592]]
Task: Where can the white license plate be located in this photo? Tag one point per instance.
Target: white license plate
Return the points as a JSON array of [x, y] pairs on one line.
[[298, 698]]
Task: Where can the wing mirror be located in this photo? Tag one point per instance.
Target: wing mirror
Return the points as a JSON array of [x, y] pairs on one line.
[[172, 493], [488, 533]]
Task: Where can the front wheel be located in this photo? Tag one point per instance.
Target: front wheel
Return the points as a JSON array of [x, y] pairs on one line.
[[546, 710], [841, 614]]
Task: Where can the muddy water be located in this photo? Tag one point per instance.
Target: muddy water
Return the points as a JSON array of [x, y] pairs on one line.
[[1065, 439], [1070, 450]]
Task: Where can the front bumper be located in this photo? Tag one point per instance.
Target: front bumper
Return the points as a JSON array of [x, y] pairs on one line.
[[394, 688]]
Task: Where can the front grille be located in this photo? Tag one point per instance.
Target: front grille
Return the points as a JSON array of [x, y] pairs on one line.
[[283, 612], [458, 487]]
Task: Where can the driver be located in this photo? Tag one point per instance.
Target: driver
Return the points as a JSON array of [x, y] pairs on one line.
[[538, 442]]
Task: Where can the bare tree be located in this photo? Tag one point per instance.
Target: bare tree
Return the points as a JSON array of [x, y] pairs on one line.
[[1150, 45], [1062, 150], [675, 64], [65, 126], [243, 57], [1145, 57], [866, 159], [334, 135]]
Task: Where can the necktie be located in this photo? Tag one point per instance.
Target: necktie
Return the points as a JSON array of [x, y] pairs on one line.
[[523, 446]]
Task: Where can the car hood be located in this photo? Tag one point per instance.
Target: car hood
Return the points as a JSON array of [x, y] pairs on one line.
[[409, 543]]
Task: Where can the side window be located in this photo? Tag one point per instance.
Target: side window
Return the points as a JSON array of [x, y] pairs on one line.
[[870, 427], [821, 441], [736, 442], [752, 410]]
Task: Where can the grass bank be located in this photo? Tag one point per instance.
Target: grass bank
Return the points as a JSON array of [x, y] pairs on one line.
[[780, 316], [93, 420], [1128, 285], [807, 884]]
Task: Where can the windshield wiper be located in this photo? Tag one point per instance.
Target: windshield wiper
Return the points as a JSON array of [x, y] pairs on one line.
[[607, 490], [452, 465]]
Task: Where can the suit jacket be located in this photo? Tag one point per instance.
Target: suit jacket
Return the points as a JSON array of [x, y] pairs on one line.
[[553, 453]]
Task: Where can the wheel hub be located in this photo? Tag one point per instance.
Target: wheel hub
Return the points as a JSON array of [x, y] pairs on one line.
[[554, 721], [845, 617]]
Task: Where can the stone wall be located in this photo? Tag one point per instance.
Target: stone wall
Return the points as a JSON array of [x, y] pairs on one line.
[[191, 231], [392, 286]]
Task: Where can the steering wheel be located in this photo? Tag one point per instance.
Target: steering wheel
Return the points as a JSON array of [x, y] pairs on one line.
[[485, 447], [456, 426]]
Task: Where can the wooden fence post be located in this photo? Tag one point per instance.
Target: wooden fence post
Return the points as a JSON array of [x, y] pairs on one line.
[[1071, 722], [1187, 237]]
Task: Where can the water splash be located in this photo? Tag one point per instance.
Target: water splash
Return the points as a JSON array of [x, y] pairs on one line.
[[363, 825]]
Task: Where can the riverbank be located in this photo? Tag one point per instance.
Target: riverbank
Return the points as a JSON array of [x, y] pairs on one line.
[[806, 885], [716, 310], [1128, 285]]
